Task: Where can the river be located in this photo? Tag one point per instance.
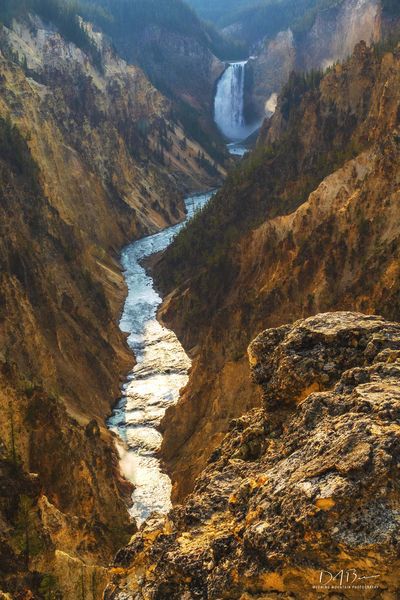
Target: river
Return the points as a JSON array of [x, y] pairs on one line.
[[154, 383], [162, 364]]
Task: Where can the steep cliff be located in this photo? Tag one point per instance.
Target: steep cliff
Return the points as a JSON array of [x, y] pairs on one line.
[[301, 500], [307, 223], [90, 157], [176, 48], [60, 486], [180, 54], [268, 72], [330, 36]]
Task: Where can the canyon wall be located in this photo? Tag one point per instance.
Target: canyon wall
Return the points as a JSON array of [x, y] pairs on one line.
[[307, 223], [331, 38], [336, 31], [90, 158], [179, 54], [185, 67]]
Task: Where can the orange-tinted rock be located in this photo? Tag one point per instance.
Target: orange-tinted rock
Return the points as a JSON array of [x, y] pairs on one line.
[[321, 497]]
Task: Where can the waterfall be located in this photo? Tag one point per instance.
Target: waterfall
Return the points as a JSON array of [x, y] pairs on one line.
[[229, 102]]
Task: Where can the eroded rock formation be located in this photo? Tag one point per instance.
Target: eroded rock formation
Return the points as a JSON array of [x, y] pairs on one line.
[[332, 37], [306, 484]]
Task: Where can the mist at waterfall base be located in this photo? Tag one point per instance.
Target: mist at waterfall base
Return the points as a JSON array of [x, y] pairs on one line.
[[229, 107], [154, 383]]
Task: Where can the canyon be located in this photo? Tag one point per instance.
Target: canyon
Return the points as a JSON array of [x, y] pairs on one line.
[[90, 158], [154, 383], [100, 142], [320, 168], [331, 38]]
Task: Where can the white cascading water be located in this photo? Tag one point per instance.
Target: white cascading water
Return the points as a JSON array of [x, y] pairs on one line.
[[229, 103], [154, 382]]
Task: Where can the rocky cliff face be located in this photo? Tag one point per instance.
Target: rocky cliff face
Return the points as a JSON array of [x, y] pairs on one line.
[[335, 32], [301, 489], [187, 68], [331, 38], [90, 157], [60, 487], [306, 224], [101, 143], [178, 52]]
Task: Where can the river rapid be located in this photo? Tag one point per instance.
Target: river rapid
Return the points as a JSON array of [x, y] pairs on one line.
[[154, 383]]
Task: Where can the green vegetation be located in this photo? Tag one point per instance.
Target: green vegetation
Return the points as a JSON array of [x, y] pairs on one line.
[[204, 241], [276, 15], [132, 16], [48, 588], [272, 180], [122, 19], [15, 153], [225, 47], [206, 164], [133, 28], [12, 9], [191, 122], [389, 44], [12, 435], [263, 18], [296, 87], [220, 11], [27, 529]]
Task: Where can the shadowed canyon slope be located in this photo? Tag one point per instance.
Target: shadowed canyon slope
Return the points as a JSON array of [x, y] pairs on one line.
[[271, 251], [91, 156], [304, 484], [181, 55]]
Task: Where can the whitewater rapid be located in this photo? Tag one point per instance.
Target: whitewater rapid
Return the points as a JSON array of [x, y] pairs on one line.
[[154, 383]]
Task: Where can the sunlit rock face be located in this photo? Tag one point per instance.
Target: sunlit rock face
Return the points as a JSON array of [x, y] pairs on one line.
[[303, 486], [338, 250], [154, 383], [332, 37]]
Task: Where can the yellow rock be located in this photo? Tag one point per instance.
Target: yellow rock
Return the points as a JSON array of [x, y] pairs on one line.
[[325, 503]]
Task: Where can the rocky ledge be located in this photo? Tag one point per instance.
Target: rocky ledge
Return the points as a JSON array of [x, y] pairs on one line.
[[302, 490]]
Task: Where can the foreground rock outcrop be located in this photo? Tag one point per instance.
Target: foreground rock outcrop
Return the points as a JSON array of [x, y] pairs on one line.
[[300, 490]]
